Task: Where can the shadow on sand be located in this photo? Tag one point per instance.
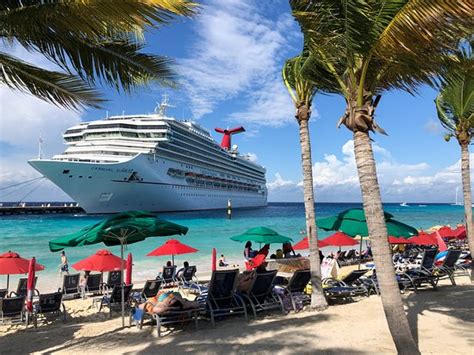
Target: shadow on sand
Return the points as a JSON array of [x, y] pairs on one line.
[[275, 334], [445, 299]]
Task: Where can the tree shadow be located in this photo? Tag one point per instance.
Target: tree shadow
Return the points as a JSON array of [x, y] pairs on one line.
[[453, 301], [274, 333]]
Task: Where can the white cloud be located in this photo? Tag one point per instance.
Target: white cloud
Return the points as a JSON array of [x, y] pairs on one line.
[[335, 179], [239, 51], [23, 119]]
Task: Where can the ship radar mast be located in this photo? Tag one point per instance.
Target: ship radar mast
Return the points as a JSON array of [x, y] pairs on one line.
[[160, 109]]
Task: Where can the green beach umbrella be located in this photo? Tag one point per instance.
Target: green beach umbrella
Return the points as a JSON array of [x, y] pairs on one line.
[[261, 235], [123, 228], [353, 223]]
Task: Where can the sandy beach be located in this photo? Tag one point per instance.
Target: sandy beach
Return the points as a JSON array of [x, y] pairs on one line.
[[441, 320]]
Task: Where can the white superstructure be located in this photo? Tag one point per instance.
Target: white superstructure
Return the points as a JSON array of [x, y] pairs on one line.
[[152, 162]]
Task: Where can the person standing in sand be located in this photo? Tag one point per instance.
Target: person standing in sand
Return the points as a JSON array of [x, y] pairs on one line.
[[63, 267]]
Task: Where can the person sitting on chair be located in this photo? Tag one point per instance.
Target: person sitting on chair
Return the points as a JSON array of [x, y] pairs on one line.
[[180, 271], [222, 261]]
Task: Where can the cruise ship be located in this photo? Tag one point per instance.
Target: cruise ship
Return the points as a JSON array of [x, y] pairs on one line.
[[153, 162]]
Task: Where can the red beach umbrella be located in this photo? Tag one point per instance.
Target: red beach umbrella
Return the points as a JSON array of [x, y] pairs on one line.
[[340, 239], [445, 232], [401, 240], [172, 247], [13, 264], [101, 261], [214, 259], [303, 244], [423, 238], [128, 269], [460, 232], [30, 285]]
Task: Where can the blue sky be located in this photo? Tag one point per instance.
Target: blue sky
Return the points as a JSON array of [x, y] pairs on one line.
[[229, 59]]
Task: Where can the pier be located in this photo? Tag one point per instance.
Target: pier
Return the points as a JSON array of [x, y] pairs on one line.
[[45, 209]]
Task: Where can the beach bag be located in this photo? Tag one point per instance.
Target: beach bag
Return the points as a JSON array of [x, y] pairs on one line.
[[281, 292]]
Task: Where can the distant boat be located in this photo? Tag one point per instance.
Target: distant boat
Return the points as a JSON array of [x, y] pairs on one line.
[[457, 203], [404, 204], [421, 205]]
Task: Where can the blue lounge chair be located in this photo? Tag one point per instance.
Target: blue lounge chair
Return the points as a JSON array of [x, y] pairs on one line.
[[220, 298], [295, 289], [71, 287], [114, 300], [12, 310], [21, 289], [49, 306], [260, 296]]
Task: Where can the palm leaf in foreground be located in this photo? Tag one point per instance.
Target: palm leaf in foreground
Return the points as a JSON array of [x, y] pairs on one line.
[[54, 87], [96, 41]]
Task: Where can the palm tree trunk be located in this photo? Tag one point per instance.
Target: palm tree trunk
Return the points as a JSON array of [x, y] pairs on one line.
[[391, 298], [466, 187], [318, 301]]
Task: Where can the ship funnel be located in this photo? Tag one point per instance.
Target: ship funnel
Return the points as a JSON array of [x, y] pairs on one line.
[[226, 139]]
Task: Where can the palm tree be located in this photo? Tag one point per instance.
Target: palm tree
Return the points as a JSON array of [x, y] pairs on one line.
[[455, 106], [302, 92], [91, 41], [366, 48]]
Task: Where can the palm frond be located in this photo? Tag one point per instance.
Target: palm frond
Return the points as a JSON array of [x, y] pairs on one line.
[[455, 103], [91, 17], [424, 28], [117, 63], [299, 88], [57, 88]]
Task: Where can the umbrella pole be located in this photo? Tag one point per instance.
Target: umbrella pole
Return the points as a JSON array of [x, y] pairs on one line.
[[8, 282], [360, 253], [121, 283], [172, 259]]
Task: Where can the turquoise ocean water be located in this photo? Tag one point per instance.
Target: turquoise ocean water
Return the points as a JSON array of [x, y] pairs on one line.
[[29, 235]]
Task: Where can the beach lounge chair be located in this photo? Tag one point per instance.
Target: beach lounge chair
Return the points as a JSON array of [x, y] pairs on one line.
[[173, 313], [114, 300], [188, 280], [447, 269], [295, 289], [260, 296], [220, 298], [12, 310], [151, 288], [94, 283], [71, 287], [49, 305], [423, 274], [113, 279], [168, 275], [348, 287], [21, 289]]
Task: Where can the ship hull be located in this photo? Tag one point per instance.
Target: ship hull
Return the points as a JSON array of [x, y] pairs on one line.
[[141, 183]]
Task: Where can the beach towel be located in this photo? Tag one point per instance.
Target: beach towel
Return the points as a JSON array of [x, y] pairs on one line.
[[329, 268]]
